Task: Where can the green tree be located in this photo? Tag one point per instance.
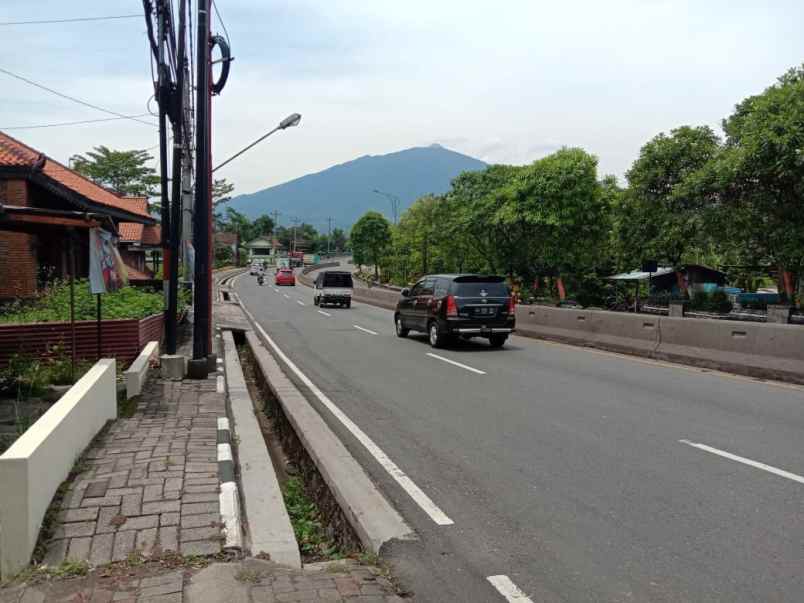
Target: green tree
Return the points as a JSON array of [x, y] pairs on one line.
[[239, 223], [666, 216], [125, 172], [221, 192], [263, 226], [338, 242], [556, 212], [371, 236], [760, 175]]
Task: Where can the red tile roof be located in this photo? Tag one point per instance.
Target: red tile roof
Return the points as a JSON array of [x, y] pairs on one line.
[[13, 153], [130, 232]]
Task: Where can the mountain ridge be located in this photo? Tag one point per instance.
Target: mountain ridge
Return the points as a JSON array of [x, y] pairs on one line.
[[346, 190]]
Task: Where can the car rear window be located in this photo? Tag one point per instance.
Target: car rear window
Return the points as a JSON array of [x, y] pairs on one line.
[[338, 280], [477, 288]]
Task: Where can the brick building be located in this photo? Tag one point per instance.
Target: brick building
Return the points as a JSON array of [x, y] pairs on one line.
[[30, 180]]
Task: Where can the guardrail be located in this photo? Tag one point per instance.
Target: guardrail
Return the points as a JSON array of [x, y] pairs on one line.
[[34, 467]]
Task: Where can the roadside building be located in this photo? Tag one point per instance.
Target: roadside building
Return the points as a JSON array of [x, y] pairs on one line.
[[42, 204]]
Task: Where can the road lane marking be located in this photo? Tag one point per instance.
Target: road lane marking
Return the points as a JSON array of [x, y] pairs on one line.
[[219, 384], [324, 313], [369, 331], [463, 366], [275, 289], [300, 302], [407, 484], [286, 296], [508, 589], [745, 461]]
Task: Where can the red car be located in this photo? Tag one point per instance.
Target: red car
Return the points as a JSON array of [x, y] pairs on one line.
[[285, 276]]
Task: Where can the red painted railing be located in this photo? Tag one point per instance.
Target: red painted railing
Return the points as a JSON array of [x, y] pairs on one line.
[[122, 339]]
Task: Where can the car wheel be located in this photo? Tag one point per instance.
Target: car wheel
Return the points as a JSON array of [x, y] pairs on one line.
[[349, 304], [497, 341], [316, 301], [401, 331], [436, 338]]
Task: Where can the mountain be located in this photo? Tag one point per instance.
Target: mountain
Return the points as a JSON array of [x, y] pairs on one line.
[[346, 191]]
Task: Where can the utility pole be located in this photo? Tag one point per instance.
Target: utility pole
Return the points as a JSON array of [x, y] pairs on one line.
[[275, 214], [198, 367], [295, 224], [162, 94], [329, 235], [177, 119]]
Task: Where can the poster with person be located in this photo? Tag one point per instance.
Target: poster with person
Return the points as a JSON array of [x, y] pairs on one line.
[[107, 272]]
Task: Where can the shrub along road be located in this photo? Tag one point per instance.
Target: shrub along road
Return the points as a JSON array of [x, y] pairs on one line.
[[575, 475]]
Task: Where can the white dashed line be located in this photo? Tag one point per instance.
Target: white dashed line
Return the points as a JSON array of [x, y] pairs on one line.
[[745, 461], [463, 366], [275, 289], [369, 331], [220, 387], [286, 296], [324, 313], [300, 302], [508, 589], [407, 484]]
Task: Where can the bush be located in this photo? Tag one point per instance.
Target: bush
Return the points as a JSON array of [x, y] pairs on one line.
[[54, 304], [717, 302]]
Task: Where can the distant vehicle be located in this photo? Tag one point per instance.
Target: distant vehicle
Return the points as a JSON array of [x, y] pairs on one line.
[[450, 306], [333, 287], [310, 259], [282, 263], [260, 280], [285, 276], [254, 268]]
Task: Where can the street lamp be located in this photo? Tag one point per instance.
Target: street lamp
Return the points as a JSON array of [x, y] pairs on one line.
[[290, 121], [394, 202]]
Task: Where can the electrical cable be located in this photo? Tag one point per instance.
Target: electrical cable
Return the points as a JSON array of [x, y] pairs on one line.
[[69, 20], [73, 123], [226, 33], [72, 98]]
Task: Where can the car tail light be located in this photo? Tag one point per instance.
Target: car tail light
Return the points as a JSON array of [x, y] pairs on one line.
[[452, 308], [511, 306]]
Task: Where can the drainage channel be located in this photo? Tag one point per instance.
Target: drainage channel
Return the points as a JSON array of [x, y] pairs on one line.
[[321, 529]]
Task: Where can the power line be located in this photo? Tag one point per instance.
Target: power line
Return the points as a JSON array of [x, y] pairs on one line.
[[70, 20], [226, 33], [73, 123], [72, 98]]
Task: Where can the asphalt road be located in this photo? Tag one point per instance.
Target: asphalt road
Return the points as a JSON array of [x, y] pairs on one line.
[[567, 470]]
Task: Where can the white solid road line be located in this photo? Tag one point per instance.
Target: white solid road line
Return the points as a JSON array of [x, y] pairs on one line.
[[508, 589], [324, 313], [407, 484], [300, 302], [745, 461], [463, 366], [369, 331]]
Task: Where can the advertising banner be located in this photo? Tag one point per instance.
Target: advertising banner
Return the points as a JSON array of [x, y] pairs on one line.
[[107, 272]]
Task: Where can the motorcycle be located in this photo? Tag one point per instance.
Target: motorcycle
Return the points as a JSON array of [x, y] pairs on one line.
[[260, 280]]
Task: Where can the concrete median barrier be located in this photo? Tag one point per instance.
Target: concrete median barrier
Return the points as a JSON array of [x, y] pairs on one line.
[[770, 351]]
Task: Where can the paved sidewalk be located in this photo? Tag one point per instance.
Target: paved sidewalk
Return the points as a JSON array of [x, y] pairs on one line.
[[249, 581], [150, 483]]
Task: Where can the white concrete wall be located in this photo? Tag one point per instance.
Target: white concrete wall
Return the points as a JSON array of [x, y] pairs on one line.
[[41, 459], [137, 373]]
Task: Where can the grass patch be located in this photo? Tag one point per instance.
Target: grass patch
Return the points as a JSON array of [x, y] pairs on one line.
[[308, 527], [38, 573]]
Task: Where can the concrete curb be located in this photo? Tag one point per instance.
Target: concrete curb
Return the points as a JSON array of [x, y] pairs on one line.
[[269, 527], [369, 513], [228, 497]]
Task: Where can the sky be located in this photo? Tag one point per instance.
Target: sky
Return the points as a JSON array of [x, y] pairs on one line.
[[506, 82]]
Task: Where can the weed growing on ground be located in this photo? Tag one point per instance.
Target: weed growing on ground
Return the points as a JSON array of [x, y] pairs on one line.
[[248, 575], [307, 525]]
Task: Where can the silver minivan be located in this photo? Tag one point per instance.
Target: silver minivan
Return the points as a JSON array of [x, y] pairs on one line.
[[333, 287]]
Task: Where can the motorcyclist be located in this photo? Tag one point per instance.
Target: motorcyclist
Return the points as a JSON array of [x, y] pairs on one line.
[[261, 276]]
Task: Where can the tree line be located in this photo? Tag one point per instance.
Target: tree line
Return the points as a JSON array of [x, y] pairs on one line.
[[691, 196]]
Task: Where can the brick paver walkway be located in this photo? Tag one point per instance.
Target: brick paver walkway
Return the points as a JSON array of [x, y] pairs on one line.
[[151, 483], [247, 581]]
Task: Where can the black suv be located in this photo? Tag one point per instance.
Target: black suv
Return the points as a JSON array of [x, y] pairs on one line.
[[457, 305]]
